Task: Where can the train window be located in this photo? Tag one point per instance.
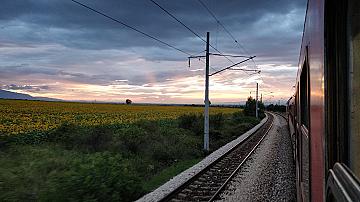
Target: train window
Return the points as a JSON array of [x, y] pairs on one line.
[[304, 98], [336, 85], [342, 98], [354, 63]]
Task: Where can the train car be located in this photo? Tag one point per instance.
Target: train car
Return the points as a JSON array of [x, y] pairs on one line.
[[290, 111], [326, 103]]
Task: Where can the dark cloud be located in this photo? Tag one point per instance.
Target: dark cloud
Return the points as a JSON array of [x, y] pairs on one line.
[[16, 87], [29, 88], [64, 22], [57, 40], [133, 78]]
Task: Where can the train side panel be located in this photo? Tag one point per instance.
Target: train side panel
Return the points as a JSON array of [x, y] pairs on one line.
[[311, 121], [316, 64], [325, 118]]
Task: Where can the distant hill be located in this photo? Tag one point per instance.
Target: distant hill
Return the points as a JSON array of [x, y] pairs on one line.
[[20, 96]]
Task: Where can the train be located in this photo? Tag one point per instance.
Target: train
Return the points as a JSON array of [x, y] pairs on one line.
[[324, 111]]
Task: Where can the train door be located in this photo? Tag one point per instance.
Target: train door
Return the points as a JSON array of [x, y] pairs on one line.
[[342, 80], [304, 132], [298, 145]]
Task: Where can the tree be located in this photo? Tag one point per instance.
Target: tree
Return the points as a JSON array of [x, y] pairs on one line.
[[276, 108], [128, 101], [250, 106]]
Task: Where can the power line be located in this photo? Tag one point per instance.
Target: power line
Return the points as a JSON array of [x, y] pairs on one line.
[[179, 21], [233, 66], [226, 30], [188, 28], [224, 77], [130, 27], [139, 31], [135, 29]]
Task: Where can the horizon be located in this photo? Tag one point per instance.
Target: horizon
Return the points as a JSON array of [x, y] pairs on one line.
[[50, 99]]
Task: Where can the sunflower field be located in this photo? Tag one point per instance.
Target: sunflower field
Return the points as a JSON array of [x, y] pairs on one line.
[[19, 116]]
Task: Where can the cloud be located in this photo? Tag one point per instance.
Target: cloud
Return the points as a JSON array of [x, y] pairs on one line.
[[59, 44], [28, 88], [67, 23]]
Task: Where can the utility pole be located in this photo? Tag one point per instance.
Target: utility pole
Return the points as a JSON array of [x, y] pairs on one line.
[[256, 106], [208, 75], [207, 103]]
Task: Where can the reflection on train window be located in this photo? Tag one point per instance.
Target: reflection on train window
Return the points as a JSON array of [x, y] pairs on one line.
[[354, 59], [304, 97]]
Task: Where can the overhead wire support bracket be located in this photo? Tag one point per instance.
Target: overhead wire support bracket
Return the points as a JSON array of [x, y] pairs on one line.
[[247, 70], [200, 56], [192, 57], [234, 56], [249, 58]]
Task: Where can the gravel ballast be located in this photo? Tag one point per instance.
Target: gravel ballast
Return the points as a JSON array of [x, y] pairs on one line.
[[269, 174]]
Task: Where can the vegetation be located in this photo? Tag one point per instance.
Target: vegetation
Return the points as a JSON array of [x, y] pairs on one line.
[[129, 152], [250, 107], [276, 108], [128, 101]]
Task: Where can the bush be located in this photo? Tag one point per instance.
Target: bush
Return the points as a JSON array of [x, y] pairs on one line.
[[131, 139], [65, 133], [97, 177], [96, 138], [32, 138], [192, 122], [217, 121], [195, 123], [174, 145]]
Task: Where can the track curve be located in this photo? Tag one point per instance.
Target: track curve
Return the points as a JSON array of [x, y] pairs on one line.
[[207, 185]]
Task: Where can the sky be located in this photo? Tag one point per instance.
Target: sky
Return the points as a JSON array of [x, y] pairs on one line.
[[58, 49]]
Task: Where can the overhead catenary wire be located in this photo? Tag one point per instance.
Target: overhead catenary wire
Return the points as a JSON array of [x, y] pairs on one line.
[[188, 28], [197, 35], [131, 27], [232, 66], [199, 57], [222, 25], [226, 30], [139, 31], [179, 21], [134, 29], [224, 77]]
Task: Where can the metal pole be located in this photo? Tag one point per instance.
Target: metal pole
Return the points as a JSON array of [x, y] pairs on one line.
[[257, 92], [207, 103]]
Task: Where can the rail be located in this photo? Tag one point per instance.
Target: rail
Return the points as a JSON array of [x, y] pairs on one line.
[[208, 184], [169, 188], [240, 165]]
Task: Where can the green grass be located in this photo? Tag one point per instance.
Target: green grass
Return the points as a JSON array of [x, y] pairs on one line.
[[168, 173]]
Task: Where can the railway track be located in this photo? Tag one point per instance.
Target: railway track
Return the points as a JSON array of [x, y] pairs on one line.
[[280, 114], [209, 183]]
